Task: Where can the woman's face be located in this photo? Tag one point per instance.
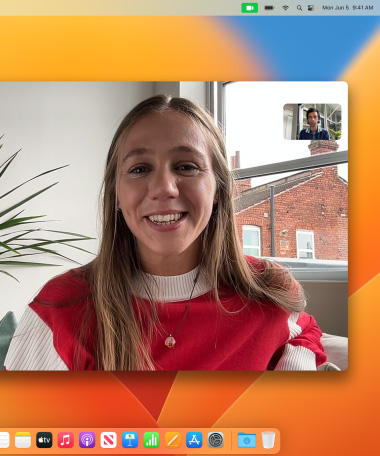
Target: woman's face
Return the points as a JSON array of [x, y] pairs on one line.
[[166, 190]]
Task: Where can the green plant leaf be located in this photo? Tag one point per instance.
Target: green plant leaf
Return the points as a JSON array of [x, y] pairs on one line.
[[9, 274], [8, 162], [26, 263], [61, 242], [78, 248], [22, 255], [26, 200], [35, 177], [41, 250], [70, 234], [20, 221], [10, 158], [45, 241], [23, 233], [6, 247], [16, 215], [18, 244]]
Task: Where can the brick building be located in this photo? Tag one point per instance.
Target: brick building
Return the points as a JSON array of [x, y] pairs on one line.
[[310, 213]]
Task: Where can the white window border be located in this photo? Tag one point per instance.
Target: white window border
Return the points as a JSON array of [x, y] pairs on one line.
[[218, 109], [252, 228], [310, 232]]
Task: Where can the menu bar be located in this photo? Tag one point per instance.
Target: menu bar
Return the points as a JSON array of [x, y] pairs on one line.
[[193, 8]]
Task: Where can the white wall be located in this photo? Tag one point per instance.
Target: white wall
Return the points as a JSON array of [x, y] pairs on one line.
[[58, 123], [255, 119], [196, 91]]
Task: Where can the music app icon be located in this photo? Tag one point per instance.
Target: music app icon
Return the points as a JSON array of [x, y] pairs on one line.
[[65, 440]]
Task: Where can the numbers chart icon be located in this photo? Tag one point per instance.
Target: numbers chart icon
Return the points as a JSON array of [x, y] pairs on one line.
[[151, 439]]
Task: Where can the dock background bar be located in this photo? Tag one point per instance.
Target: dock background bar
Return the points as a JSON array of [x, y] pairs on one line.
[[230, 441]]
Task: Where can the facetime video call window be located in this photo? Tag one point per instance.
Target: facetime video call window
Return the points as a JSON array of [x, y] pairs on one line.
[[163, 226]]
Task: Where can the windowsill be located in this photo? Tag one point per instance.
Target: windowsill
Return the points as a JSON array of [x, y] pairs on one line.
[[316, 270]]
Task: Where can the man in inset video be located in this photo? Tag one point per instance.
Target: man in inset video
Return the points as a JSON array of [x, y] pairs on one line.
[[313, 131]]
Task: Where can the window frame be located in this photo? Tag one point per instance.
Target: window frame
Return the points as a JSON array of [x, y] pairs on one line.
[[218, 110], [256, 229], [310, 232]]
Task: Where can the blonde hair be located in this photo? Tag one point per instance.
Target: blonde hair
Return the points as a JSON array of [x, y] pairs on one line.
[[124, 332]]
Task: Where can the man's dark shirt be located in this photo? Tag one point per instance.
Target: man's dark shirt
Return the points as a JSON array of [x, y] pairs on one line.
[[320, 134]]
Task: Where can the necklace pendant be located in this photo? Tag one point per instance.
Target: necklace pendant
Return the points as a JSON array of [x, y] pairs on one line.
[[170, 342]]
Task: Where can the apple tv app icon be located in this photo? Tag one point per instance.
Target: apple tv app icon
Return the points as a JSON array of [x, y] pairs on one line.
[[44, 439]]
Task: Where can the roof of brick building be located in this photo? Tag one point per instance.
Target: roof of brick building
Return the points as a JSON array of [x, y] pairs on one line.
[[257, 195]]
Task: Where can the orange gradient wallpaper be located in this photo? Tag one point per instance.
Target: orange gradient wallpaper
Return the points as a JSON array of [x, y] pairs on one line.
[[322, 413]]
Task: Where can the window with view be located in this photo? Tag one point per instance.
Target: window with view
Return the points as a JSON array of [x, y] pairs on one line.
[[251, 240], [305, 244], [291, 197]]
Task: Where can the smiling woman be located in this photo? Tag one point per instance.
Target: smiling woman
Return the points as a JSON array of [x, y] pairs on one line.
[[170, 288], [165, 190]]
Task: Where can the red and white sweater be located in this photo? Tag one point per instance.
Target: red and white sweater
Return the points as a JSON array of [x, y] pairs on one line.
[[259, 337]]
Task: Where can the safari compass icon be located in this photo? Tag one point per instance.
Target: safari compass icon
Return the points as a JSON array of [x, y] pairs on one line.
[[215, 439]]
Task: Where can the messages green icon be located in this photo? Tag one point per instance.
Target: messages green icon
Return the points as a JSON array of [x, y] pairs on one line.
[[249, 7]]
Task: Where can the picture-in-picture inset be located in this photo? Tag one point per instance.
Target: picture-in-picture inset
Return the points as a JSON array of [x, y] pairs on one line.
[[312, 121]]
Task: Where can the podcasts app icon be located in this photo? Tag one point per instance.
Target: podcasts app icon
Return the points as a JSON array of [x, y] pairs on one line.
[[87, 440]]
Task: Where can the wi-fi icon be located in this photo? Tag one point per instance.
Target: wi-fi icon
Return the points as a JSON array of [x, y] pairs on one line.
[[285, 7]]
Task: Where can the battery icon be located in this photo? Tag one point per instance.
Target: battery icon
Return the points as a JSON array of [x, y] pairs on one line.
[[249, 7], [268, 7]]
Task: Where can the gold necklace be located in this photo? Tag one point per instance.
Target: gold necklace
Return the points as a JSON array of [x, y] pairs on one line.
[[170, 340]]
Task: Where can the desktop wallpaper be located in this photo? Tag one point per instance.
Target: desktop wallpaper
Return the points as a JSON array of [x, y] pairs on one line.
[[316, 413]]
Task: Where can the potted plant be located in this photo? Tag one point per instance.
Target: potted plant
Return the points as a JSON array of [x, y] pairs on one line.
[[22, 239], [335, 134]]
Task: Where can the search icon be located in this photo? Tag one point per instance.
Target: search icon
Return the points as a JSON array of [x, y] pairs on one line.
[[299, 7]]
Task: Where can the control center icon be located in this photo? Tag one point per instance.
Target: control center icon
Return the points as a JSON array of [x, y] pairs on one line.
[[215, 439]]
